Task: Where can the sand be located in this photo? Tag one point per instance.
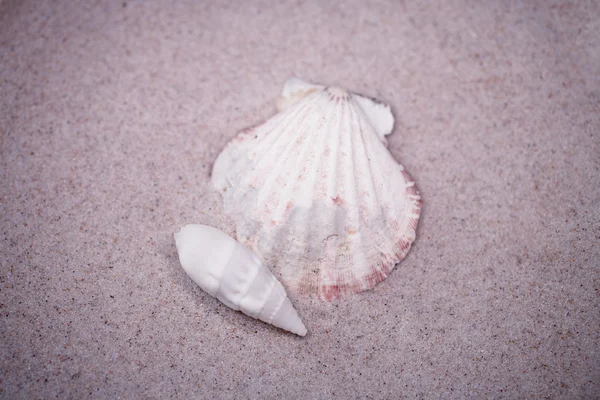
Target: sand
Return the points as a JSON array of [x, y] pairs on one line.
[[111, 114]]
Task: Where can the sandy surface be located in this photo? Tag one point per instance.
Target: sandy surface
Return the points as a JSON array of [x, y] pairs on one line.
[[111, 114]]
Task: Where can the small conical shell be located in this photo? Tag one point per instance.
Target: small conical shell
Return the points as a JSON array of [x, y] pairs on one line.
[[233, 274], [316, 194]]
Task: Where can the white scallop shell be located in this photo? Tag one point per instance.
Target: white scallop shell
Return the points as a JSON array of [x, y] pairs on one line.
[[314, 191], [233, 274], [377, 112]]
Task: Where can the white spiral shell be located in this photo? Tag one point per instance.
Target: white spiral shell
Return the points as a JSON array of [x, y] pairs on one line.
[[233, 274], [316, 194]]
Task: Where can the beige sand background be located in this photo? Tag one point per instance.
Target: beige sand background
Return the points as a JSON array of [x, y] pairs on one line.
[[111, 114]]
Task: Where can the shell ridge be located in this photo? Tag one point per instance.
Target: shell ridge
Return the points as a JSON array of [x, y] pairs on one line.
[[272, 286], [282, 126], [331, 273], [294, 184], [334, 154], [243, 266], [374, 170], [335, 192], [290, 188], [220, 293], [372, 204], [331, 192], [269, 142], [250, 297], [239, 159], [281, 157], [352, 180], [320, 148], [275, 310], [309, 279], [395, 250], [346, 275], [371, 174], [412, 211], [249, 285], [317, 146], [402, 214], [371, 149]]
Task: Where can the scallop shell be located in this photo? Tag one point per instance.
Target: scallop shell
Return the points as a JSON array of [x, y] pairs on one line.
[[378, 114], [233, 274], [315, 192]]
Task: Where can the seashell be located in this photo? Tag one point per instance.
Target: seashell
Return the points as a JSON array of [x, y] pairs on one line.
[[315, 192], [378, 114], [233, 274]]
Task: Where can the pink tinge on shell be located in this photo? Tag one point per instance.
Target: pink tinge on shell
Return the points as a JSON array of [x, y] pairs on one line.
[[379, 270], [266, 212]]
